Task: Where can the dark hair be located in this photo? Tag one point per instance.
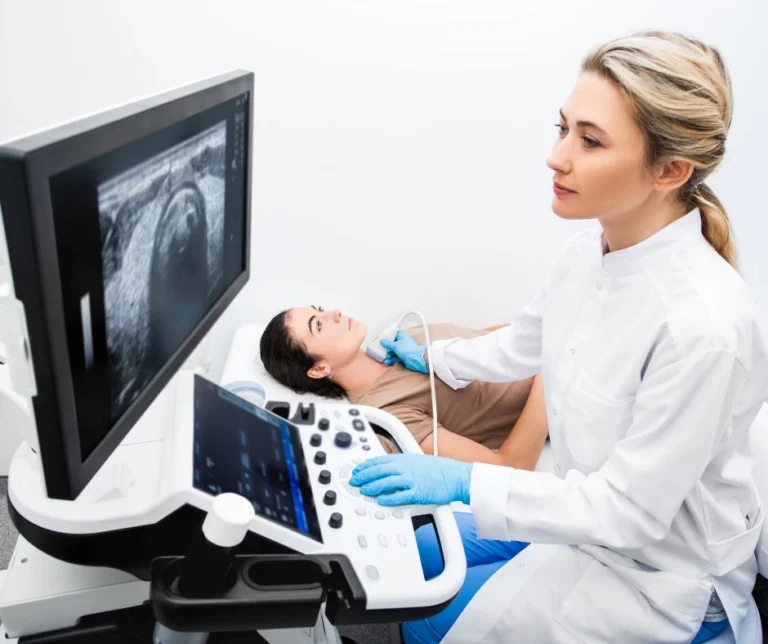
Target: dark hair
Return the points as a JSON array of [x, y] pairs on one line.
[[287, 361]]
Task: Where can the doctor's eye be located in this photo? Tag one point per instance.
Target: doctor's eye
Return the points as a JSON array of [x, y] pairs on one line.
[[591, 143]]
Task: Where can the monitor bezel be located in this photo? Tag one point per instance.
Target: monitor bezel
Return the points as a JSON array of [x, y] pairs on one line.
[[41, 157]]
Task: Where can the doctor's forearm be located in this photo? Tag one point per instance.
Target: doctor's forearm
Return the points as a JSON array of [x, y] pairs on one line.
[[542, 508], [506, 355]]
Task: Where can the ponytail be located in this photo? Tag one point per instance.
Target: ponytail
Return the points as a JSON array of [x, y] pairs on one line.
[[715, 225]]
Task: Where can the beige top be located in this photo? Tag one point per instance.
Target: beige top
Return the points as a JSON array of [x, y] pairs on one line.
[[484, 412]]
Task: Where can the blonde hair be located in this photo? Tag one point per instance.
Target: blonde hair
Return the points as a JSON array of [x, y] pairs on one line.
[[680, 92]]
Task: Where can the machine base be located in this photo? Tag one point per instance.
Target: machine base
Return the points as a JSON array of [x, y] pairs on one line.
[[44, 600]]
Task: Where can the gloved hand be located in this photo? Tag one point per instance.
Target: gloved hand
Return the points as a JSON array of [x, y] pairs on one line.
[[407, 350], [405, 479]]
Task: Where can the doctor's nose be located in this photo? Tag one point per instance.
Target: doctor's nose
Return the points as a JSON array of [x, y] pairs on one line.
[[558, 160]]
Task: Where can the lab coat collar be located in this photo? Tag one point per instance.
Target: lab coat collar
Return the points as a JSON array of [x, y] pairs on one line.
[[634, 258]]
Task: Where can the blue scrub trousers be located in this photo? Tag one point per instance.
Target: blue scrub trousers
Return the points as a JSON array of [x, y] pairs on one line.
[[484, 557]]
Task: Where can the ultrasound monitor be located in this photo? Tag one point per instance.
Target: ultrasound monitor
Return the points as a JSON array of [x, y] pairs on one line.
[[128, 235]]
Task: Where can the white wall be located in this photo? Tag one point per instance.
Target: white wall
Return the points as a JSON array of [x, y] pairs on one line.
[[399, 145]]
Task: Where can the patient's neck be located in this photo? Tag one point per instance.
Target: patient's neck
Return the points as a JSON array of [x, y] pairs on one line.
[[359, 374]]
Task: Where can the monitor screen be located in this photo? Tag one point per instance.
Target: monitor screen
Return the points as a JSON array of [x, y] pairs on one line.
[[240, 448], [149, 237]]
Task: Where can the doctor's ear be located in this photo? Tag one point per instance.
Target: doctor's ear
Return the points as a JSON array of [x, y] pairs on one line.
[[671, 175], [319, 370]]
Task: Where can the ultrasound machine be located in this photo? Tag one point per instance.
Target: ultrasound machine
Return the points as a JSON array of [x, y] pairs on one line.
[[152, 504]]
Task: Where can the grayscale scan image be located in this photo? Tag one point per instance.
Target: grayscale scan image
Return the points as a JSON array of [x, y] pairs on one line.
[[162, 236]]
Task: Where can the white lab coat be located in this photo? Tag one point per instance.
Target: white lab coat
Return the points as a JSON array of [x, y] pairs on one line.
[[653, 368]]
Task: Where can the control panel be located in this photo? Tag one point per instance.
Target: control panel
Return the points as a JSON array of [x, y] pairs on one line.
[[296, 475]]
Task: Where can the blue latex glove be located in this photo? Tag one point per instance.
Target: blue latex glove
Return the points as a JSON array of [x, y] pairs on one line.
[[405, 479], [407, 350]]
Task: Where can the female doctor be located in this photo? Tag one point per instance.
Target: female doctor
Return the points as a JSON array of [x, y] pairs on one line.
[[653, 371]]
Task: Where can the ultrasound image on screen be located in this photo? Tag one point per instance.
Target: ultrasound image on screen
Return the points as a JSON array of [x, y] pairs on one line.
[[162, 248]]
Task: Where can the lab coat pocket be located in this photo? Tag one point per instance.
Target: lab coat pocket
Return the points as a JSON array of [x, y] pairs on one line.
[[727, 554], [606, 607], [594, 422]]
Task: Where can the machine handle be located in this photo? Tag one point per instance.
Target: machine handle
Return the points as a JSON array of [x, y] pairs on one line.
[[447, 584], [208, 568]]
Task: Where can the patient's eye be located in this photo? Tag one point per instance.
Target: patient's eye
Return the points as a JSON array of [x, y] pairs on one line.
[[319, 326]]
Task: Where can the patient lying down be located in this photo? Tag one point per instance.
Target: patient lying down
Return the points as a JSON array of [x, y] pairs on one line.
[[315, 351]]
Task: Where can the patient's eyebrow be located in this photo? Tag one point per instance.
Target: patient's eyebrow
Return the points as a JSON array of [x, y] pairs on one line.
[[311, 318]]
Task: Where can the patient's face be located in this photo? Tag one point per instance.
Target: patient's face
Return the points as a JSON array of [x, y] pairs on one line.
[[330, 335], [599, 154]]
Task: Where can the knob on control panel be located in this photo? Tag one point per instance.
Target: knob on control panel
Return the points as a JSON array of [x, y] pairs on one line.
[[343, 439], [336, 520]]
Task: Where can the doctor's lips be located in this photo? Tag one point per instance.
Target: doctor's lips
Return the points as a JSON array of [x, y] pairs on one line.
[[561, 190]]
